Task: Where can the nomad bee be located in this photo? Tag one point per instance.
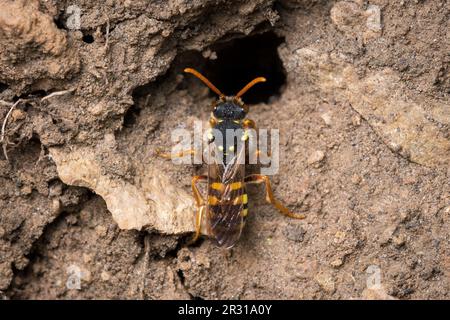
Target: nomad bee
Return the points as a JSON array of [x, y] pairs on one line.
[[226, 205]]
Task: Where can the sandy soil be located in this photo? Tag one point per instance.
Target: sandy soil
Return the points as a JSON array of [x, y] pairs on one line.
[[359, 90]]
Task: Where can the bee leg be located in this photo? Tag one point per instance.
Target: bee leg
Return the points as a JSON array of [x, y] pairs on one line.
[[200, 206], [249, 123], [198, 224], [197, 195], [168, 155], [257, 179]]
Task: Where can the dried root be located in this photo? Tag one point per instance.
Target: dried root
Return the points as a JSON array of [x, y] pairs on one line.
[[12, 106], [5, 121]]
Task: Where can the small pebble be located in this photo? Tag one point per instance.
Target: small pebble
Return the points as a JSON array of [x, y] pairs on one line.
[[71, 220], [56, 206], [18, 114], [339, 237], [21, 263], [399, 240], [105, 276], [326, 281], [55, 189], [356, 120], [26, 190], [337, 263], [165, 33], [326, 117], [101, 231], [316, 156], [356, 179], [86, 275], [87, 258]]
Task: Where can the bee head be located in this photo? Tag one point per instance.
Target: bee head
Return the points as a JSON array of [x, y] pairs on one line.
[[230, 109]]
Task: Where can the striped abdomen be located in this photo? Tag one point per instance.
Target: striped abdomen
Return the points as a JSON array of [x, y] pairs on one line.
[[227, 208]]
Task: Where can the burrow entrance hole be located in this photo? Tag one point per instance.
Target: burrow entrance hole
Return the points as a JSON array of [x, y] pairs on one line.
[[3, 87], [88, 38], [238, 62], [234, 63]]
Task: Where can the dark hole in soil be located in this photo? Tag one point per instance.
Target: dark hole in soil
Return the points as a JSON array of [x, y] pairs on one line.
[[3, 87], [36, 93], [241, 60], [88, 38], [26, 107], [131, 116], [60, 22], [238, 62]]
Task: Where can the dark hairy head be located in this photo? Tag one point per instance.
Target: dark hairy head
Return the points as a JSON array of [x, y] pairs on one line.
[[229, 110]]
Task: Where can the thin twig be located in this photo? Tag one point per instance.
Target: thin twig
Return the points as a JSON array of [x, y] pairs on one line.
[[107, 34], [13, 106], [106, 48], [4, 151], [145, 265], [57, 93], [42, 156], [2, 136]]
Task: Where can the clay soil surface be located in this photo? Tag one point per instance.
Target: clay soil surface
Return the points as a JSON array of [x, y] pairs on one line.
[[360, 93]]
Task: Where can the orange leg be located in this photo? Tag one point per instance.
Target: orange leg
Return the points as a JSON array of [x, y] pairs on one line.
[[198, 224], [200, 206], [197, 195], [168, 155], [248, 123], [257, 179]]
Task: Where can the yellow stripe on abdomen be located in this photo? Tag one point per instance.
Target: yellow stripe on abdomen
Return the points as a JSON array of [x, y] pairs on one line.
[[217, 186], [232, 186], [212, 200], [236, 185], [241, 199]]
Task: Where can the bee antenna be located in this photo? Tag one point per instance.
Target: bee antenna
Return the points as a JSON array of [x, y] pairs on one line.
[[249, 85], [205, 81]]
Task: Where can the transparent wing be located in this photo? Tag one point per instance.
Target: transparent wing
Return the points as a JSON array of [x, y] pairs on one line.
[[226, 200]]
